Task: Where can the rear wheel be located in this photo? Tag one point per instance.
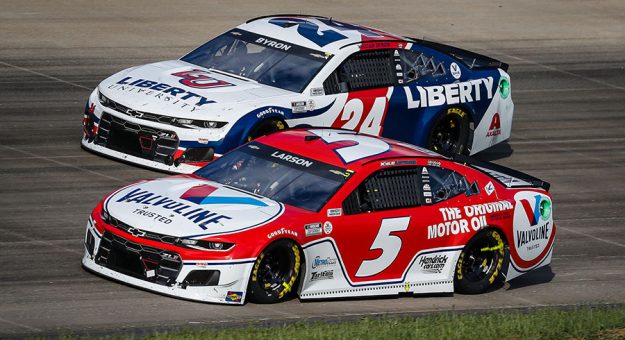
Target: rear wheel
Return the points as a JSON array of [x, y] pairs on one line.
[[275, 272], [450, 132], [479, 265], [266, 127]]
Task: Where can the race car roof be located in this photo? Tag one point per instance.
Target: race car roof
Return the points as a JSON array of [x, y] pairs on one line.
[[343, 148], [318, 33]]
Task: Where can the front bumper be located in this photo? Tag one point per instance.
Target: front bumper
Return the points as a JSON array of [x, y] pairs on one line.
[[147, 143], [230, 288], [182, 168]]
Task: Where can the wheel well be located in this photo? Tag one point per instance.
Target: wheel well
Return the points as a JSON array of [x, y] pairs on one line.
[[302, 271], [266, 121]]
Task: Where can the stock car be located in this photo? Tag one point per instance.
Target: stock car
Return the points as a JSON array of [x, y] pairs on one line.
[[323, 213], [286, 71]]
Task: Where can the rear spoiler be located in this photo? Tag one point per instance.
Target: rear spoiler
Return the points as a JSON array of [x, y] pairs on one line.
[[471, 59], [506, 176]]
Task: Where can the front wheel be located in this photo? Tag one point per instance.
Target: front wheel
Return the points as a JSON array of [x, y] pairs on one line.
[[275, 272], [479, 265], [450, 132], [266, 127]]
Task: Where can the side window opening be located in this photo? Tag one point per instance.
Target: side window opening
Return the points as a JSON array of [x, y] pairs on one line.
[[361, 71], [386, 189], [443, 184]]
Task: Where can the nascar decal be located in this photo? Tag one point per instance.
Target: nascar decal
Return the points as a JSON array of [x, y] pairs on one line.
[[364, 111], [200, 79], [533, 227], [449, 94]]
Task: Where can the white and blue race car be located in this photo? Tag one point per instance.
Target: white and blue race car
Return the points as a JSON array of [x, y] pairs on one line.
[[283, 71]]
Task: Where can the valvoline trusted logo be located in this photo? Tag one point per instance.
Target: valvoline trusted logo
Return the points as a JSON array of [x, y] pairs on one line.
[[203, 194], [541, 209]]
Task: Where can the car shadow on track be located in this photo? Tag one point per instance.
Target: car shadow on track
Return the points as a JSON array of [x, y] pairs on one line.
[[535, 277]]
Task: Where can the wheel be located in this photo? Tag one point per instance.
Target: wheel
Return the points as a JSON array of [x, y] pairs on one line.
[[275, 272], [450, 132], [479, 264], [266, 127]]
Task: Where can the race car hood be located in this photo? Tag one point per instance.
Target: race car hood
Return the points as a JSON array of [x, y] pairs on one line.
[[180, 89], [186, 206]]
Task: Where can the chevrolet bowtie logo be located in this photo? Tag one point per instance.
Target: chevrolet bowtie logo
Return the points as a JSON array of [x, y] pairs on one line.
[[136, 232], [134, 113]]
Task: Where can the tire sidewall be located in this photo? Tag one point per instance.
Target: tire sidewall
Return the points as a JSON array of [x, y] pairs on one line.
[[257, 293], [463, 119], [465, 286]]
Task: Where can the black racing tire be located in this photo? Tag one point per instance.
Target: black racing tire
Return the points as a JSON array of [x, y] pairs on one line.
[[480, 263], [275, 273], [450, 132], [264, 128]]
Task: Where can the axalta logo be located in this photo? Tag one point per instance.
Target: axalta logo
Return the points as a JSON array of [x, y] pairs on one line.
[[495, 126], [449, 94], [199, 79]]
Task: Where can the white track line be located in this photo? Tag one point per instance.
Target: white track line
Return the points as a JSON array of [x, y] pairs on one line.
[[19, 325], [551, 146], [561, 90], [45, 75], [41, 242], [52, 157], [559, 141], [551, 68], [64, 164], [593, 237]]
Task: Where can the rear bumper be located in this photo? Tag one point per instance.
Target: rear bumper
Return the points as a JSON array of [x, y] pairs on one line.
[[230, 289]]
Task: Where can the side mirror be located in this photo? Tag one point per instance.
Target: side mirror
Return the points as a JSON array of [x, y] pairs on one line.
[[473, 189]]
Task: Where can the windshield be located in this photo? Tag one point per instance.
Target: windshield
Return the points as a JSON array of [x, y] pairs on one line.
[[266, 60], [276, 174]]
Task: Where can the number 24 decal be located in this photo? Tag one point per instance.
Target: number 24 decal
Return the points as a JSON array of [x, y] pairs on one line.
[[389, 244]]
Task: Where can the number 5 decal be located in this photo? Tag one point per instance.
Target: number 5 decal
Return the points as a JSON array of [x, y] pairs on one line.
[[365, 146], [389, 244]]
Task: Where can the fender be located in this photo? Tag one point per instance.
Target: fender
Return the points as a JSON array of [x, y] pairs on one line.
[[236, 136]]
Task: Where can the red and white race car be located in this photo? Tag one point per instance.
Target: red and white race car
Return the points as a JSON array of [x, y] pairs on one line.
[[323, 213]]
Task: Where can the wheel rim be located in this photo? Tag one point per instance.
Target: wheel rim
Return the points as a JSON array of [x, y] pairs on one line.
[[274, 269], [481, 260], [446, 134]]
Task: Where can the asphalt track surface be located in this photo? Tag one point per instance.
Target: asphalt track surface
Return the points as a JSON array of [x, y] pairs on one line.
[[567, 63]]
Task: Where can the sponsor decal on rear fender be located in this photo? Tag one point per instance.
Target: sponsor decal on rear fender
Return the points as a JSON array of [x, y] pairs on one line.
[[533, 226]]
